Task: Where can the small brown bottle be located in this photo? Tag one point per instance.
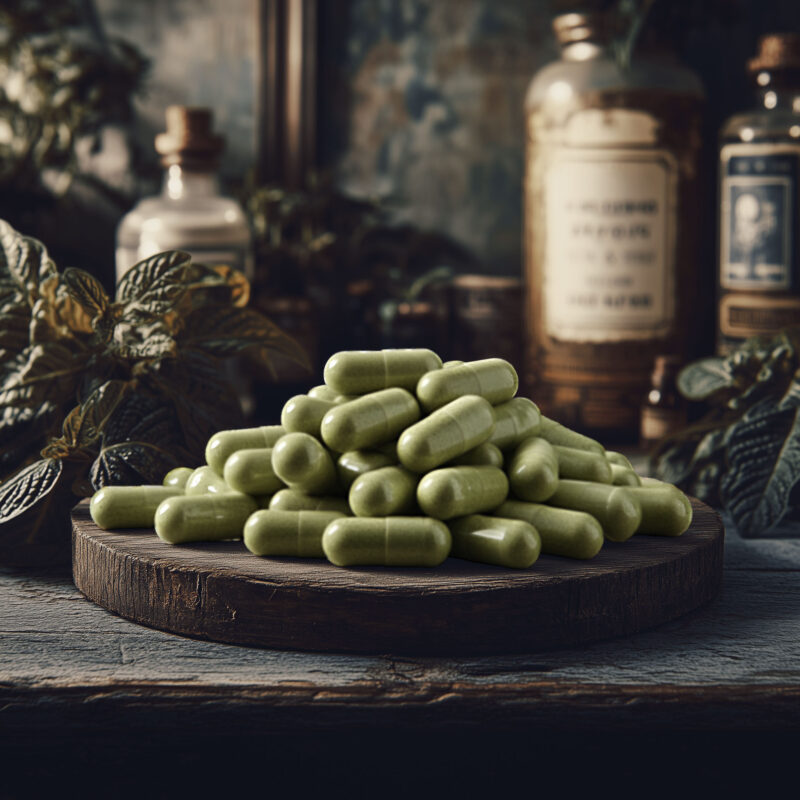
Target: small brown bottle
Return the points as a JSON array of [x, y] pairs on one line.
[[664, 409]]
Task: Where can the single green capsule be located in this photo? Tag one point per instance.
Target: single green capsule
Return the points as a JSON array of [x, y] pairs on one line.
[[370, 420], [582, 465], [225, 443], [493, 540], [204, 480], [303, 414], [251, 472], [128, 506], [457, 491], [452, 363], [622, 476], [177, 478], [364, 371], [353, 463], [484, 455], [323, 392], [555, 433], [293, 500], [446, 434], [302, 462], [514, 421], [572, 534], [666, 510], [386, 541], [618, 458], [615, 507], [287, 533], [491, 378], [384, 492], [204, 517], [533, 470]]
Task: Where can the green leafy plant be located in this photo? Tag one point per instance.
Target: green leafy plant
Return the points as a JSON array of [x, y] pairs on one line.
[[97, 391], [744, 453]]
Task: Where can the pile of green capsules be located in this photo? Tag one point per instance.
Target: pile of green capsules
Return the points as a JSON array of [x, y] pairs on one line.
[[400, 460]]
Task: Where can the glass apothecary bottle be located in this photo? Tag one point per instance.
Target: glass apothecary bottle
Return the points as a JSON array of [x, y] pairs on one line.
[[611, 206], [190, 213], [759, 171]]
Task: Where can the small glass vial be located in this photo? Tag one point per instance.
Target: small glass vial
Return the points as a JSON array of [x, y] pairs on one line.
[[759, 253], [190, 213], [664, 410]]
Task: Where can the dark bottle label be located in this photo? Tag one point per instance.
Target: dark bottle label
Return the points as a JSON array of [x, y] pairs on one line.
[[758, 249]]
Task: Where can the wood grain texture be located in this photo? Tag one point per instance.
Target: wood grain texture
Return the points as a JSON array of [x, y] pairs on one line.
[[219, 591]]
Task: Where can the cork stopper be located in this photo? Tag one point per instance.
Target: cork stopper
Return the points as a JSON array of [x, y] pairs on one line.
[[776, 51], [189, 140]]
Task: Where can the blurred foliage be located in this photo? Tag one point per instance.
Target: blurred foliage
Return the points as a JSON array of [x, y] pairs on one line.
[[744, 453], [98, 391], [61, 79], [347, 257]]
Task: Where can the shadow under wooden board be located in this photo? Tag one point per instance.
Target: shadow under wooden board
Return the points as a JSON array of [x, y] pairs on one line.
[[222, 592]]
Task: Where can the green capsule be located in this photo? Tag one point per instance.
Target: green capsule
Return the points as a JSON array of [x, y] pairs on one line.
[[453, 363], [622, 476], [302, 462], [493, 540], [386, 541], [491, 378], [457, 491], [323, 392], [128, 506], [484, 455], [573, 534], [370, 420], [615, 507], [250, 471], [533, 470], [555, 433], [618, 458], [293, 500], [203, 517], [514, 421], [446, 434], [303, 414], [287, 533], [582, 465], [384, 492], [177, 478], [364, 371], [204, 480], [223, 444], [666, 510], [353, 463]]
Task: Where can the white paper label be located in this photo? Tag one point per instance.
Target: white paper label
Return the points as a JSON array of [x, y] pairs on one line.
[[609, 250]]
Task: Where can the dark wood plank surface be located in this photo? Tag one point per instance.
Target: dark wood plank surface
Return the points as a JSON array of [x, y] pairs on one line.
[[220, 591]]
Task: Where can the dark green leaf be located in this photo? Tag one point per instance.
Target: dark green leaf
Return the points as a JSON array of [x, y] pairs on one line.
[[27, 487], [225, 331], [49, 361], [132, 463], [158, 345], [763, 466], [86, 290], [25, 260], [703, 378], [158, 279]]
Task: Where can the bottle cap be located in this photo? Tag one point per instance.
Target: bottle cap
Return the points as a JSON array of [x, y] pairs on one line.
[[189, 140], [776, 51]]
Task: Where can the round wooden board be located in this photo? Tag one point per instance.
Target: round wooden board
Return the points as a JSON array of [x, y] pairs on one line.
[[222, 592]]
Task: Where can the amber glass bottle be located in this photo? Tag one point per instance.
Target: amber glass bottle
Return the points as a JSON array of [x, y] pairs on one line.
[[611, 203], [759, 265]]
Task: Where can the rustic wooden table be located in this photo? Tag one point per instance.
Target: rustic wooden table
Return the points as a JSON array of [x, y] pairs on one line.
[[85, 690]]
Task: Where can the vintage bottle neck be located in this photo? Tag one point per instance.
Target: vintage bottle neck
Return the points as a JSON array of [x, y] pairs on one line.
[[181, 184]]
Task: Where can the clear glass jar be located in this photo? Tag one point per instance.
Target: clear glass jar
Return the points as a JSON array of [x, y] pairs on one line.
[[759, 179], [611, 206], [190, 213]]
